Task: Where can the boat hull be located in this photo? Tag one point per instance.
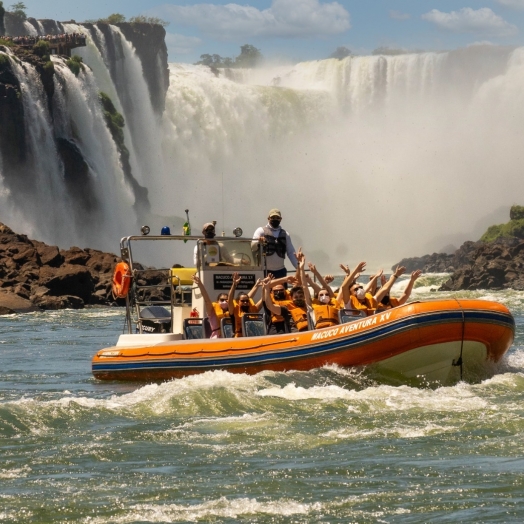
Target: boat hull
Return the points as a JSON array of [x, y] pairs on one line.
[[438, 341]]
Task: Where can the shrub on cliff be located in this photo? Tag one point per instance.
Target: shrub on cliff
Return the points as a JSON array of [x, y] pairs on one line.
[[6, 43], [512, 229], [141, 19], [41, 48], [114, 120], [75, 64], [18, 10]]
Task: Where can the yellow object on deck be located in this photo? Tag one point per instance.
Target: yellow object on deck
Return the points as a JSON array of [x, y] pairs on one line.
[[182, 275]]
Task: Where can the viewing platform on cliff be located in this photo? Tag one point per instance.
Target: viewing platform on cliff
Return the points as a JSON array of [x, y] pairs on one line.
[[58, 44]]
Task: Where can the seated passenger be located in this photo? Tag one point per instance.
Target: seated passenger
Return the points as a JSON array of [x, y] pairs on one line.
[[242, 305], [388, 302], [359, 298], [215, 311], [279, 296], [294, 312]]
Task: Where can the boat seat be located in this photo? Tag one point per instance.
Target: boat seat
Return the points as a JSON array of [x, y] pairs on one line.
[[253, 325], [193, 328], [348, 315], [226, 327]]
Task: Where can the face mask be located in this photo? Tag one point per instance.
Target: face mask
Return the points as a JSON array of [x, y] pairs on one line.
[[361, 294], [274, 222], [299, 302], [224, 305], [209, 234], [324, 299], [279, 295]]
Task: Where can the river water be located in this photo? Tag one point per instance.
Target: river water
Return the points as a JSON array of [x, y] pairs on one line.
[[330, 445]]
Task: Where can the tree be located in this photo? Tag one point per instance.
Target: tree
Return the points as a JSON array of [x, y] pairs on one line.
[[18, 10], [115, 18], [249, 56], [141, 19], [340, 53]]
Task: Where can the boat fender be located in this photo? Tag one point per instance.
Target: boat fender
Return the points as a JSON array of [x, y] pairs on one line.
[[121, 280]]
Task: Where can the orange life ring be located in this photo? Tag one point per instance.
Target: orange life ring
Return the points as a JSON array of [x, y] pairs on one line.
[[121, 280]]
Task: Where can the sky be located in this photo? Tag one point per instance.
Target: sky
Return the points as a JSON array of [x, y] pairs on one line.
[[299, 30]]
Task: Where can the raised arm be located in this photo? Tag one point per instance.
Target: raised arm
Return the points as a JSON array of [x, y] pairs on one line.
[[384, 290], [371, 286], [231, 294], [207, 300], [267, 298], [344, 288], [409, 288], [254, 289], [320, 278]]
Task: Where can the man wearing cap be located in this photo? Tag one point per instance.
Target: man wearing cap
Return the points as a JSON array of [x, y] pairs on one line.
[[277, 245], [210, 247]]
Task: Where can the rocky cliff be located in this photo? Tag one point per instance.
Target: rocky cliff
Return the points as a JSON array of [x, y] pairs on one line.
[[36, 276], [494, 262]]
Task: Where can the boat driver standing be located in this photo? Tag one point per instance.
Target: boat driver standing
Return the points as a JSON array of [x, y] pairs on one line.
[[277, 244], [210, 248]]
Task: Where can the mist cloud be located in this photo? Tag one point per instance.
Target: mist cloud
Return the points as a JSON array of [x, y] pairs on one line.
[[285, 18], [467, 20]]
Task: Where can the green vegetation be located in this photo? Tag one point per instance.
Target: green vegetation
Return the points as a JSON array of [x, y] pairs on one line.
[[7, 43], [249, 57], [49, 67], [3, 59], [41, 48], [75, 64], [148, 20], [513, 228], [118, 18], [114, 120], [340, 53], [18, 10]]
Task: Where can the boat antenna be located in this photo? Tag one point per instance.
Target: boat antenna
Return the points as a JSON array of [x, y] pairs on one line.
[[223, 232]]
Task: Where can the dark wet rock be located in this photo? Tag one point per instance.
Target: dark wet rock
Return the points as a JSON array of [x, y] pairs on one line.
[[48, 278], [12, 303]]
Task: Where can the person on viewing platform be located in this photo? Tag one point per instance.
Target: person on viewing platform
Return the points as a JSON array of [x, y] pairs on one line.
[[388, 302], [215, 311], [242, 305], [277, 244]]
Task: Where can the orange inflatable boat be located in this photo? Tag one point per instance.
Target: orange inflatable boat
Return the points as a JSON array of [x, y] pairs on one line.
[[441, 341]]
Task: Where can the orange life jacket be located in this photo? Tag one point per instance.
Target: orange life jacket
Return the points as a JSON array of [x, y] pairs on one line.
[[299, 316], [220, 314], [238, 314], [393, 302], [326, 315], [369, 306]]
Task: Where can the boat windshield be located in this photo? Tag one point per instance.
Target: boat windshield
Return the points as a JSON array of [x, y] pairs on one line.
[[228, 254]]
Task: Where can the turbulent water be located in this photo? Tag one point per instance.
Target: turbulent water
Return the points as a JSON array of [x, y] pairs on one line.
[[330, 445], [365, 147]]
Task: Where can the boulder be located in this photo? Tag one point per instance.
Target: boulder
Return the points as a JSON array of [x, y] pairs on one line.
[[68, 279], [11, 303]]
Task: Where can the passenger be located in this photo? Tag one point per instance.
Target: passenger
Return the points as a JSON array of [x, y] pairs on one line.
[[277, 244], [242, 305], [279, 296], [294, 312], [215, 311], [388, 302], [360, 299], [324, 284]]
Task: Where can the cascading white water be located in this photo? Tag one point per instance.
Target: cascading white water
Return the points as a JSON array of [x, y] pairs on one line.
[[385, 156], [368, 158]]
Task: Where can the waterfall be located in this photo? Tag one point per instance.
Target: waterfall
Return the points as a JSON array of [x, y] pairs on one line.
[[385, 156]]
